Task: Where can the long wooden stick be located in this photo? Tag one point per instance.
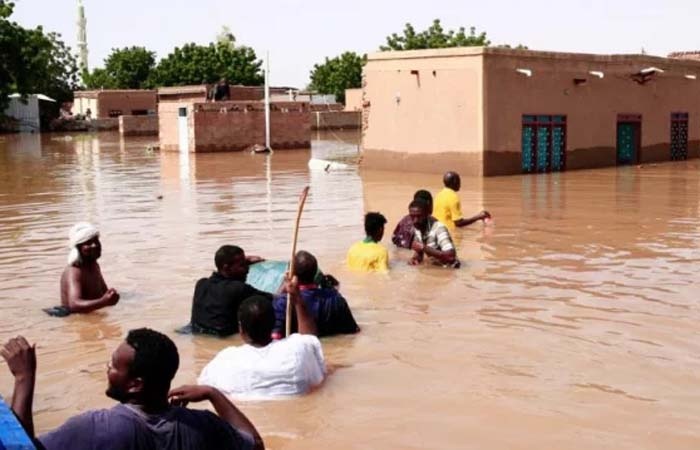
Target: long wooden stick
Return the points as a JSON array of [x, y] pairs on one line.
[[302, 200]]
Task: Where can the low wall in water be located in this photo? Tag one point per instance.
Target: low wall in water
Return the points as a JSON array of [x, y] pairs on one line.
[[138, 125], [230, 126], [336, 120]]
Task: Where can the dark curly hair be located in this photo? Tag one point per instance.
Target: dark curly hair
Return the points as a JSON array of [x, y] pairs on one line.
[[156, 359]]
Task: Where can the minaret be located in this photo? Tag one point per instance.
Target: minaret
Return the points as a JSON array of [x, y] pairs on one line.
[[82, 38]]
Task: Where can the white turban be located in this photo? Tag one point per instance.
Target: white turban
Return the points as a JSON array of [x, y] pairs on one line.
[[80, 233]]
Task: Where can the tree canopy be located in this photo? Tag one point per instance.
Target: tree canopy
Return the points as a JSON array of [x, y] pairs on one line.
[[33, 61], [196, 64], [434, 37], [335, 75], [126, 68]]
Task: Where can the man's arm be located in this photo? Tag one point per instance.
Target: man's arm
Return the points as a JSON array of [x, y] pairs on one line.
[[223, 406], [445, 257], [77, 304], [483, 215], [306, 323], [21, 359]]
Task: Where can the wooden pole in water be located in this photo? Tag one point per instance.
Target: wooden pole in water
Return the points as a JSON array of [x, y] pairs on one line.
[[302, 200]]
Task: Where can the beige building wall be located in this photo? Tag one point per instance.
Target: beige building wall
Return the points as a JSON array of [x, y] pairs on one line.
[[422, 111], [591, 107], [353, 99]]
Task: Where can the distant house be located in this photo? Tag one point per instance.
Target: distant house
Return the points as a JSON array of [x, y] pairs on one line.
[[115, 102], [26, 111]]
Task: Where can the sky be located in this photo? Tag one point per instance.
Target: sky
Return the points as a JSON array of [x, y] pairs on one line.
[[300, 33]]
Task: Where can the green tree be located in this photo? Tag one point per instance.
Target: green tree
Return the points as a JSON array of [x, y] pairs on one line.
[[196, 64], [125, 68], [32, 61], [434, 37], [337, 74]]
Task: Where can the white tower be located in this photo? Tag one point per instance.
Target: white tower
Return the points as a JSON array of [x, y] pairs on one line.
[[82, 38]]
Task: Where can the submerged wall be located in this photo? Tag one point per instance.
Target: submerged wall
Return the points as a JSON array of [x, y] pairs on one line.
[[138, 125], [336, 120]]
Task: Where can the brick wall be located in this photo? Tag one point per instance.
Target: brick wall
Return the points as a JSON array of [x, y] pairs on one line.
[[138, 125], [336, 120], [225, 126], [327, 107], [126, 102]]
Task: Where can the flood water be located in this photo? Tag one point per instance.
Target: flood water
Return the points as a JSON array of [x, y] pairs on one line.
[[573, 322]]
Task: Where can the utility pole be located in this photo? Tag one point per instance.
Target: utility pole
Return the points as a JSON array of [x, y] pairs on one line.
[[82, 38]]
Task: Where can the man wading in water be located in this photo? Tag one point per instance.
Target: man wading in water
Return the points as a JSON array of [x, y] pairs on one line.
[[82, 287]]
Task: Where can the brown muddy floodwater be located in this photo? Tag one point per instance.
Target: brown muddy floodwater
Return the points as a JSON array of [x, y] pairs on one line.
[[573, 323]]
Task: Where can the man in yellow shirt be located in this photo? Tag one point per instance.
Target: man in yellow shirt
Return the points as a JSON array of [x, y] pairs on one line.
[[447, 208], [369, 255]]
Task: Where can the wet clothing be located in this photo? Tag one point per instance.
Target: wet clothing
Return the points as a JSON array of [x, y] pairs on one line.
[[403, 233], [368, 256], [290, 366], [215, 304], [447, 208], [126, 427], [437, 237], [326, 306]]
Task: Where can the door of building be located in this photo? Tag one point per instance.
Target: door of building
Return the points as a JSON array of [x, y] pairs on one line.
[[543, 143], [679, 136], [629, 134], [183, 130]]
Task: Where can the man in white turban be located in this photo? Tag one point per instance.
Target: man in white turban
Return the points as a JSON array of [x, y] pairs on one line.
[[83, 289]]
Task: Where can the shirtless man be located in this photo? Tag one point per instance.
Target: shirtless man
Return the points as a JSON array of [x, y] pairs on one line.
[[82, 287]]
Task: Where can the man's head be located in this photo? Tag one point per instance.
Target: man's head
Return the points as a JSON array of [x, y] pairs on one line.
[[142, 368], [85, 246], [231, 263], [418, 210], [256, 319], [452, 180], [374, 225], [426, 197], [305, 267]]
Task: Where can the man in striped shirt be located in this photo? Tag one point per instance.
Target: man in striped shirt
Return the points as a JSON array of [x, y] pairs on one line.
[[431, 237]]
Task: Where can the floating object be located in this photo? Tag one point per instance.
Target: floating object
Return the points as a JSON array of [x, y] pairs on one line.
[[267, 276], [57, 311], [257, 148], [160, 197], [325, 165], [12, 435]]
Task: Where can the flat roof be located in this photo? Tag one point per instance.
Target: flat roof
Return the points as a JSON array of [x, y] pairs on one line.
[[93, 92], [521, 53]]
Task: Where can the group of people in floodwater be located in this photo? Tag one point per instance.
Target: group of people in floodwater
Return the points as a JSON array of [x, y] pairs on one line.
[[152, 415]]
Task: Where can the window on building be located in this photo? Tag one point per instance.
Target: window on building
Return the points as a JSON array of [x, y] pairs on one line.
[[115, 112], [679, 136], [139, 112], [543, 143]]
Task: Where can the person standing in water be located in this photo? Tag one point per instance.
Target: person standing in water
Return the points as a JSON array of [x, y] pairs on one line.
[[448, 209], [83, 289]]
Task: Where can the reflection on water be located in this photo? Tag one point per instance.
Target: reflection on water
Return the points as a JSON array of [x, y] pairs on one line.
[[572, 323]]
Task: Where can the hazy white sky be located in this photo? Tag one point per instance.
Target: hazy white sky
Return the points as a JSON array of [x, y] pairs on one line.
[[300, 33]]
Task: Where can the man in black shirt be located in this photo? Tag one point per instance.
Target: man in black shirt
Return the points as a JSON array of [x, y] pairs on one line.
[[216, 299]]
